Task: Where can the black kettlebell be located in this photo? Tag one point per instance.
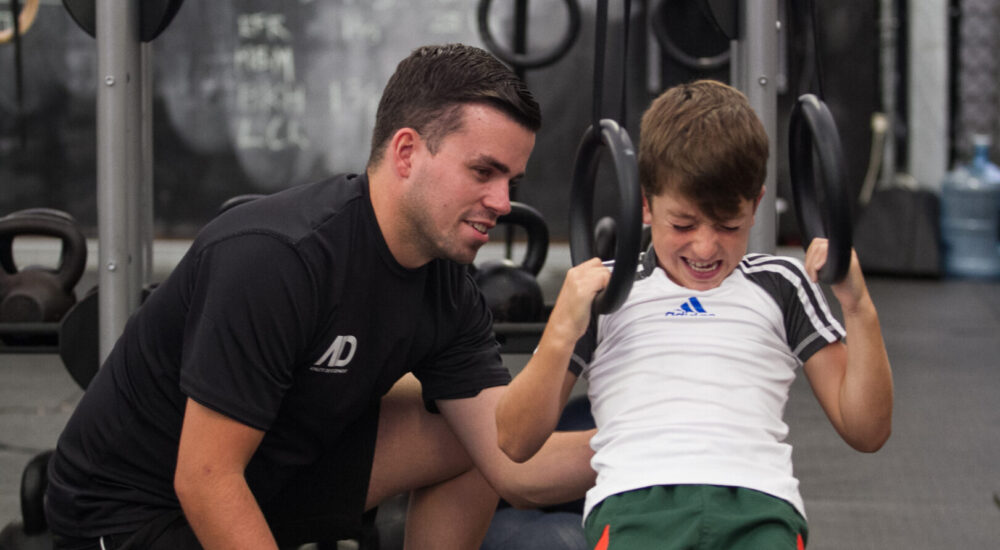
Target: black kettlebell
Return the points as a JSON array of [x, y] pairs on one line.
[[606, 238], [40, 294], [511, 291], [34, 481]]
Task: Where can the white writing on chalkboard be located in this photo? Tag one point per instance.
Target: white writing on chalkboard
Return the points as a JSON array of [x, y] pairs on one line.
[[273, 134], [264, 58], [354, 95], [268, 26], [262, 97], [269, 102]]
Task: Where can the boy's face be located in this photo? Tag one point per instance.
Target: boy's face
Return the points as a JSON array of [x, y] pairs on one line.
[[696, 251]]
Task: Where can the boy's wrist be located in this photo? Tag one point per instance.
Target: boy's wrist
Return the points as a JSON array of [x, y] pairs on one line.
[[863, 306], [557, 339]]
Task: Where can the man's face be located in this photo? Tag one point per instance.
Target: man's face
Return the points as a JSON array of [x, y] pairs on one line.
[[696, 251], [455, 195]]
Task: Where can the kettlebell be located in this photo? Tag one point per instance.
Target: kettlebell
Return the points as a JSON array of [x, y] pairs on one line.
[[512, 293], [34, 481], [38, 294], [606, 238]]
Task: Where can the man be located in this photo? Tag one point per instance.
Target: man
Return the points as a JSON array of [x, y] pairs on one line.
[[240, 407]]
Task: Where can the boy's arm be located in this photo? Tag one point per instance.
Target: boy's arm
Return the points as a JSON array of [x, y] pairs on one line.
[[853, 382], [530, 408]]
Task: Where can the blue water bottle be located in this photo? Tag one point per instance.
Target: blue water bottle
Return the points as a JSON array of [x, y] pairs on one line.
[[970, 216]]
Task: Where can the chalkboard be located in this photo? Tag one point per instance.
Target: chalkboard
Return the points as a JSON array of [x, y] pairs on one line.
[[253, 96]]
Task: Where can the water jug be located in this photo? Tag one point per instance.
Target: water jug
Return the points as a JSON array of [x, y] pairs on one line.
[[970, 216]]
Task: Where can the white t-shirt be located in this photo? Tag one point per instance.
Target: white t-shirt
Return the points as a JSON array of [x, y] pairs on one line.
[[689, 387]]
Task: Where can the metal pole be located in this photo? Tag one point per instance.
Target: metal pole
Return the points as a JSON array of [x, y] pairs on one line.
[[888, 23], [118, 109], [754, 71]]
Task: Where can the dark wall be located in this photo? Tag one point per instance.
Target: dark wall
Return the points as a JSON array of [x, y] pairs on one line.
[[845, 61]]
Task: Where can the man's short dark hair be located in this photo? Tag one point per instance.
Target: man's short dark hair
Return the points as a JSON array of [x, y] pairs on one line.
[[430, 87]]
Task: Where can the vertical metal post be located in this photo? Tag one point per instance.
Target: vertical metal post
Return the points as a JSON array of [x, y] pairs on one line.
[[888, 23], [118, 148], [927, 92], [754, 71]]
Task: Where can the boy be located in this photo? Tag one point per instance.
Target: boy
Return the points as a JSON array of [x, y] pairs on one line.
[[689, 379]]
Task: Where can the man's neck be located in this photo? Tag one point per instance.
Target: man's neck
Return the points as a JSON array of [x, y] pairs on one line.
[[384, 191]]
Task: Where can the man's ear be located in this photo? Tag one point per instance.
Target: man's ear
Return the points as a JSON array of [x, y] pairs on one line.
[[401, 149], [647, 214]]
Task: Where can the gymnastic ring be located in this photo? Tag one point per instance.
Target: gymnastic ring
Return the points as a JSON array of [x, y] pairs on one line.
[[629, 220], [697, 63], [24, 21], [154, 16], [527, 61], [812, 131]]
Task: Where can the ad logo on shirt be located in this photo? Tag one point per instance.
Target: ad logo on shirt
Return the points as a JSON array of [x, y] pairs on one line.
[[690, 308], [337, 356]]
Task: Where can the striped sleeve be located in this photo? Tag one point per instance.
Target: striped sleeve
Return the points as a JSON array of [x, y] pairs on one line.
[[584, 350], [809, 323]]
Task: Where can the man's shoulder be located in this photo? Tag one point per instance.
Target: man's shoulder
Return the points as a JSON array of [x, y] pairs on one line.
[[291, 214]]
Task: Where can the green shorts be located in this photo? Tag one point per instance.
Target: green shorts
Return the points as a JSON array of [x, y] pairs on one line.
[[703, 517]]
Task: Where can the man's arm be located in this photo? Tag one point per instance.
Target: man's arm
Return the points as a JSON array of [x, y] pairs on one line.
[[530, 408], [853, 382], [559, 472], [210, 484]]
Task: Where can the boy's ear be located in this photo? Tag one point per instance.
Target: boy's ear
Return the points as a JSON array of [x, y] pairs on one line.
[[647, 216]]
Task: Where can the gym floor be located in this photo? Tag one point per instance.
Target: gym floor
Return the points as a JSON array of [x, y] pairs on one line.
[[935, 484]]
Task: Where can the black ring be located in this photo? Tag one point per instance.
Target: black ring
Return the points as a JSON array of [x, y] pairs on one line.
[[697, 63], [812, 131], [629, 220], [532, 61]]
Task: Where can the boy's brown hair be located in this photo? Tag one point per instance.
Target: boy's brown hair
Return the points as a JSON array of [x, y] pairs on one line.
[[704, 141]]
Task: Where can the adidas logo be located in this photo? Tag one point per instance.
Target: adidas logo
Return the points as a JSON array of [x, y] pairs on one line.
[[690, 308]]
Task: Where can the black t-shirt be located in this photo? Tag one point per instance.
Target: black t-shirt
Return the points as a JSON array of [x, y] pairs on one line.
[[288, 314]]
